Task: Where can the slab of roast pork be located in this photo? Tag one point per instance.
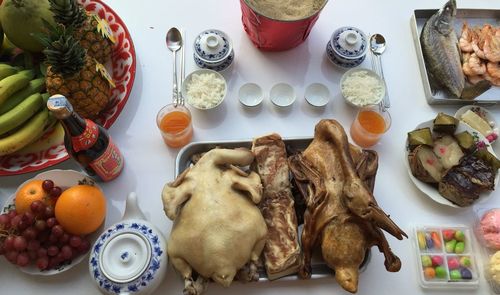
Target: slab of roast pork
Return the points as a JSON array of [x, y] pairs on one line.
[[282, 250]]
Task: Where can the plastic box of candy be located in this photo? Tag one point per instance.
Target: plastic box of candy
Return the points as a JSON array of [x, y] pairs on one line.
[[445, 257], [487, 230]]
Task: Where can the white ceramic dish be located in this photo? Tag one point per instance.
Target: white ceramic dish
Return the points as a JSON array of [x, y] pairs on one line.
[[370, 73], [282, 95], [431, 191], [64, 179], [188, 80], [482, 112], [130, 256], [250, 95], [317, 94]]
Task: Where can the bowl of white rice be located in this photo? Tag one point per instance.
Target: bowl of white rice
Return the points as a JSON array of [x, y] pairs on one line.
[[362, 87], [204, 89]]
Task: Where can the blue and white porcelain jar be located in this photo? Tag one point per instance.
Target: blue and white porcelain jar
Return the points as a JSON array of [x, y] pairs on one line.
[[130, 256], [347, 47], [213, 50]]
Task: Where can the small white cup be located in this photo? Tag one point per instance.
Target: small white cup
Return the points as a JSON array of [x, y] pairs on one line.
[[250, 95], [282, 95], [317, 94]]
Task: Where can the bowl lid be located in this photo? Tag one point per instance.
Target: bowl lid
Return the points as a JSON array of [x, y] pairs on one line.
[[212, 45], [349, 42], [125, 257]]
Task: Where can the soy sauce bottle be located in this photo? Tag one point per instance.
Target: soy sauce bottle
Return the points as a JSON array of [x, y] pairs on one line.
[[87, 142]]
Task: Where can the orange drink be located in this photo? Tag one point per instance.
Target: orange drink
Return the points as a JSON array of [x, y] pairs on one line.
[[175, 125], [369, 125]]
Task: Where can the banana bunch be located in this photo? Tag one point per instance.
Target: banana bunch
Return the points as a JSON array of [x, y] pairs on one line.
[[23, 114]]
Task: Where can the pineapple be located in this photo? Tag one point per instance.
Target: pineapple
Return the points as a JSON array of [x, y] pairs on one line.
[[74, 74], [93, 32]]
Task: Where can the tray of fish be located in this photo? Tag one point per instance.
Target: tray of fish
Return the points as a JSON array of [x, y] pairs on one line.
[[458, 54], [190, 154]]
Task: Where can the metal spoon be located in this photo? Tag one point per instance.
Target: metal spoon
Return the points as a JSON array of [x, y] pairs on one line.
[[174, 43], [377, 47]]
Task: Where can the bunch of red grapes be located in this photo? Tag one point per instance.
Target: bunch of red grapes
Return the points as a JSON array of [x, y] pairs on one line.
[[35, 237]]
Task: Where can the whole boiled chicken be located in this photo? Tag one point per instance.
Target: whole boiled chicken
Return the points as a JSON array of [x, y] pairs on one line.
[[342, 216], [218, 231]]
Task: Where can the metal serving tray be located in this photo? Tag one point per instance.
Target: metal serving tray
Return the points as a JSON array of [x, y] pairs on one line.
[[183, 161], [475, 17]]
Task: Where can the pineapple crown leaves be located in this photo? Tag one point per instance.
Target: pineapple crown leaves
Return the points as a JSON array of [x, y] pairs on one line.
[[69, 13], [63, 52]]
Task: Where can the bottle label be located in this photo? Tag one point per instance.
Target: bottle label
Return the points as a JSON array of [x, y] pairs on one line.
[[87, 139], [109, 165]]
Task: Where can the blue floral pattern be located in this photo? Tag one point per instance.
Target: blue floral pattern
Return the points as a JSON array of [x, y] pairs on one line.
[[351, 63], [149, 273], [212, 57], [345, 52], [218, 67]]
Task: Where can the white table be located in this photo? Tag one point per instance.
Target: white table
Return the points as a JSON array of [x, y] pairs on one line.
[[149, 164]]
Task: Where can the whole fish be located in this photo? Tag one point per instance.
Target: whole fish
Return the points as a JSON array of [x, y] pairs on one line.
[[442, 54]]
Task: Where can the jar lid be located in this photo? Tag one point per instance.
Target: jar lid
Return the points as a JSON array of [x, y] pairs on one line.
[[349, 42], [212, 46], [125, 257]]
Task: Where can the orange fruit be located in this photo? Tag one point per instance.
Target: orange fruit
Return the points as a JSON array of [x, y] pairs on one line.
[[81, 209], [30, 192]]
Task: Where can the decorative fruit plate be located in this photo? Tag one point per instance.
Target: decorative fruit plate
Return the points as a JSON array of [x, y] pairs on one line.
[[64, 179], [432, 191], [49, 150]]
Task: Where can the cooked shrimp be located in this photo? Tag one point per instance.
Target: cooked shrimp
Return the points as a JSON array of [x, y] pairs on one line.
[[478, 38], [466, 39], [475, 79], [491, 48], [493, 80], [473, 65], [493, 69], [477, 65], [465, 63]]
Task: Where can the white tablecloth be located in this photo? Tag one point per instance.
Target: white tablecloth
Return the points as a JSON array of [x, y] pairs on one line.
[[150, 164]]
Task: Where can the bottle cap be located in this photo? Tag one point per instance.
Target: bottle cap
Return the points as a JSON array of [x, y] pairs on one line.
[[59, 106]]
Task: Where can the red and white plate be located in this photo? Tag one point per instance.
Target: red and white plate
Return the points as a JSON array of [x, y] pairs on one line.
[[49, 150]]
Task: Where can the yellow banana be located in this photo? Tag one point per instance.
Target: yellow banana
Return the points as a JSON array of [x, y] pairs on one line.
[[21, 113], [28, 133], [16, 82], [7, 70], [35, 86]]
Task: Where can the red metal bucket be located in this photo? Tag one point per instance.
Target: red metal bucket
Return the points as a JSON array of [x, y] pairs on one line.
[[276, 35]]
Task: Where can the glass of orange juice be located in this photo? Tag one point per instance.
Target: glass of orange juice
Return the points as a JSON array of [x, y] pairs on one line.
[[174, 122], [370, 124]]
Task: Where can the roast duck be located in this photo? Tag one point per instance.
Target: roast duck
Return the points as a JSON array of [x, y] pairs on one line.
[[342, 215], [225, 218]]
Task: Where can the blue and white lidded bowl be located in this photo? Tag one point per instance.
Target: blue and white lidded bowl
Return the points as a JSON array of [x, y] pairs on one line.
[[213, 50], [130, 256], [347, 47]]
